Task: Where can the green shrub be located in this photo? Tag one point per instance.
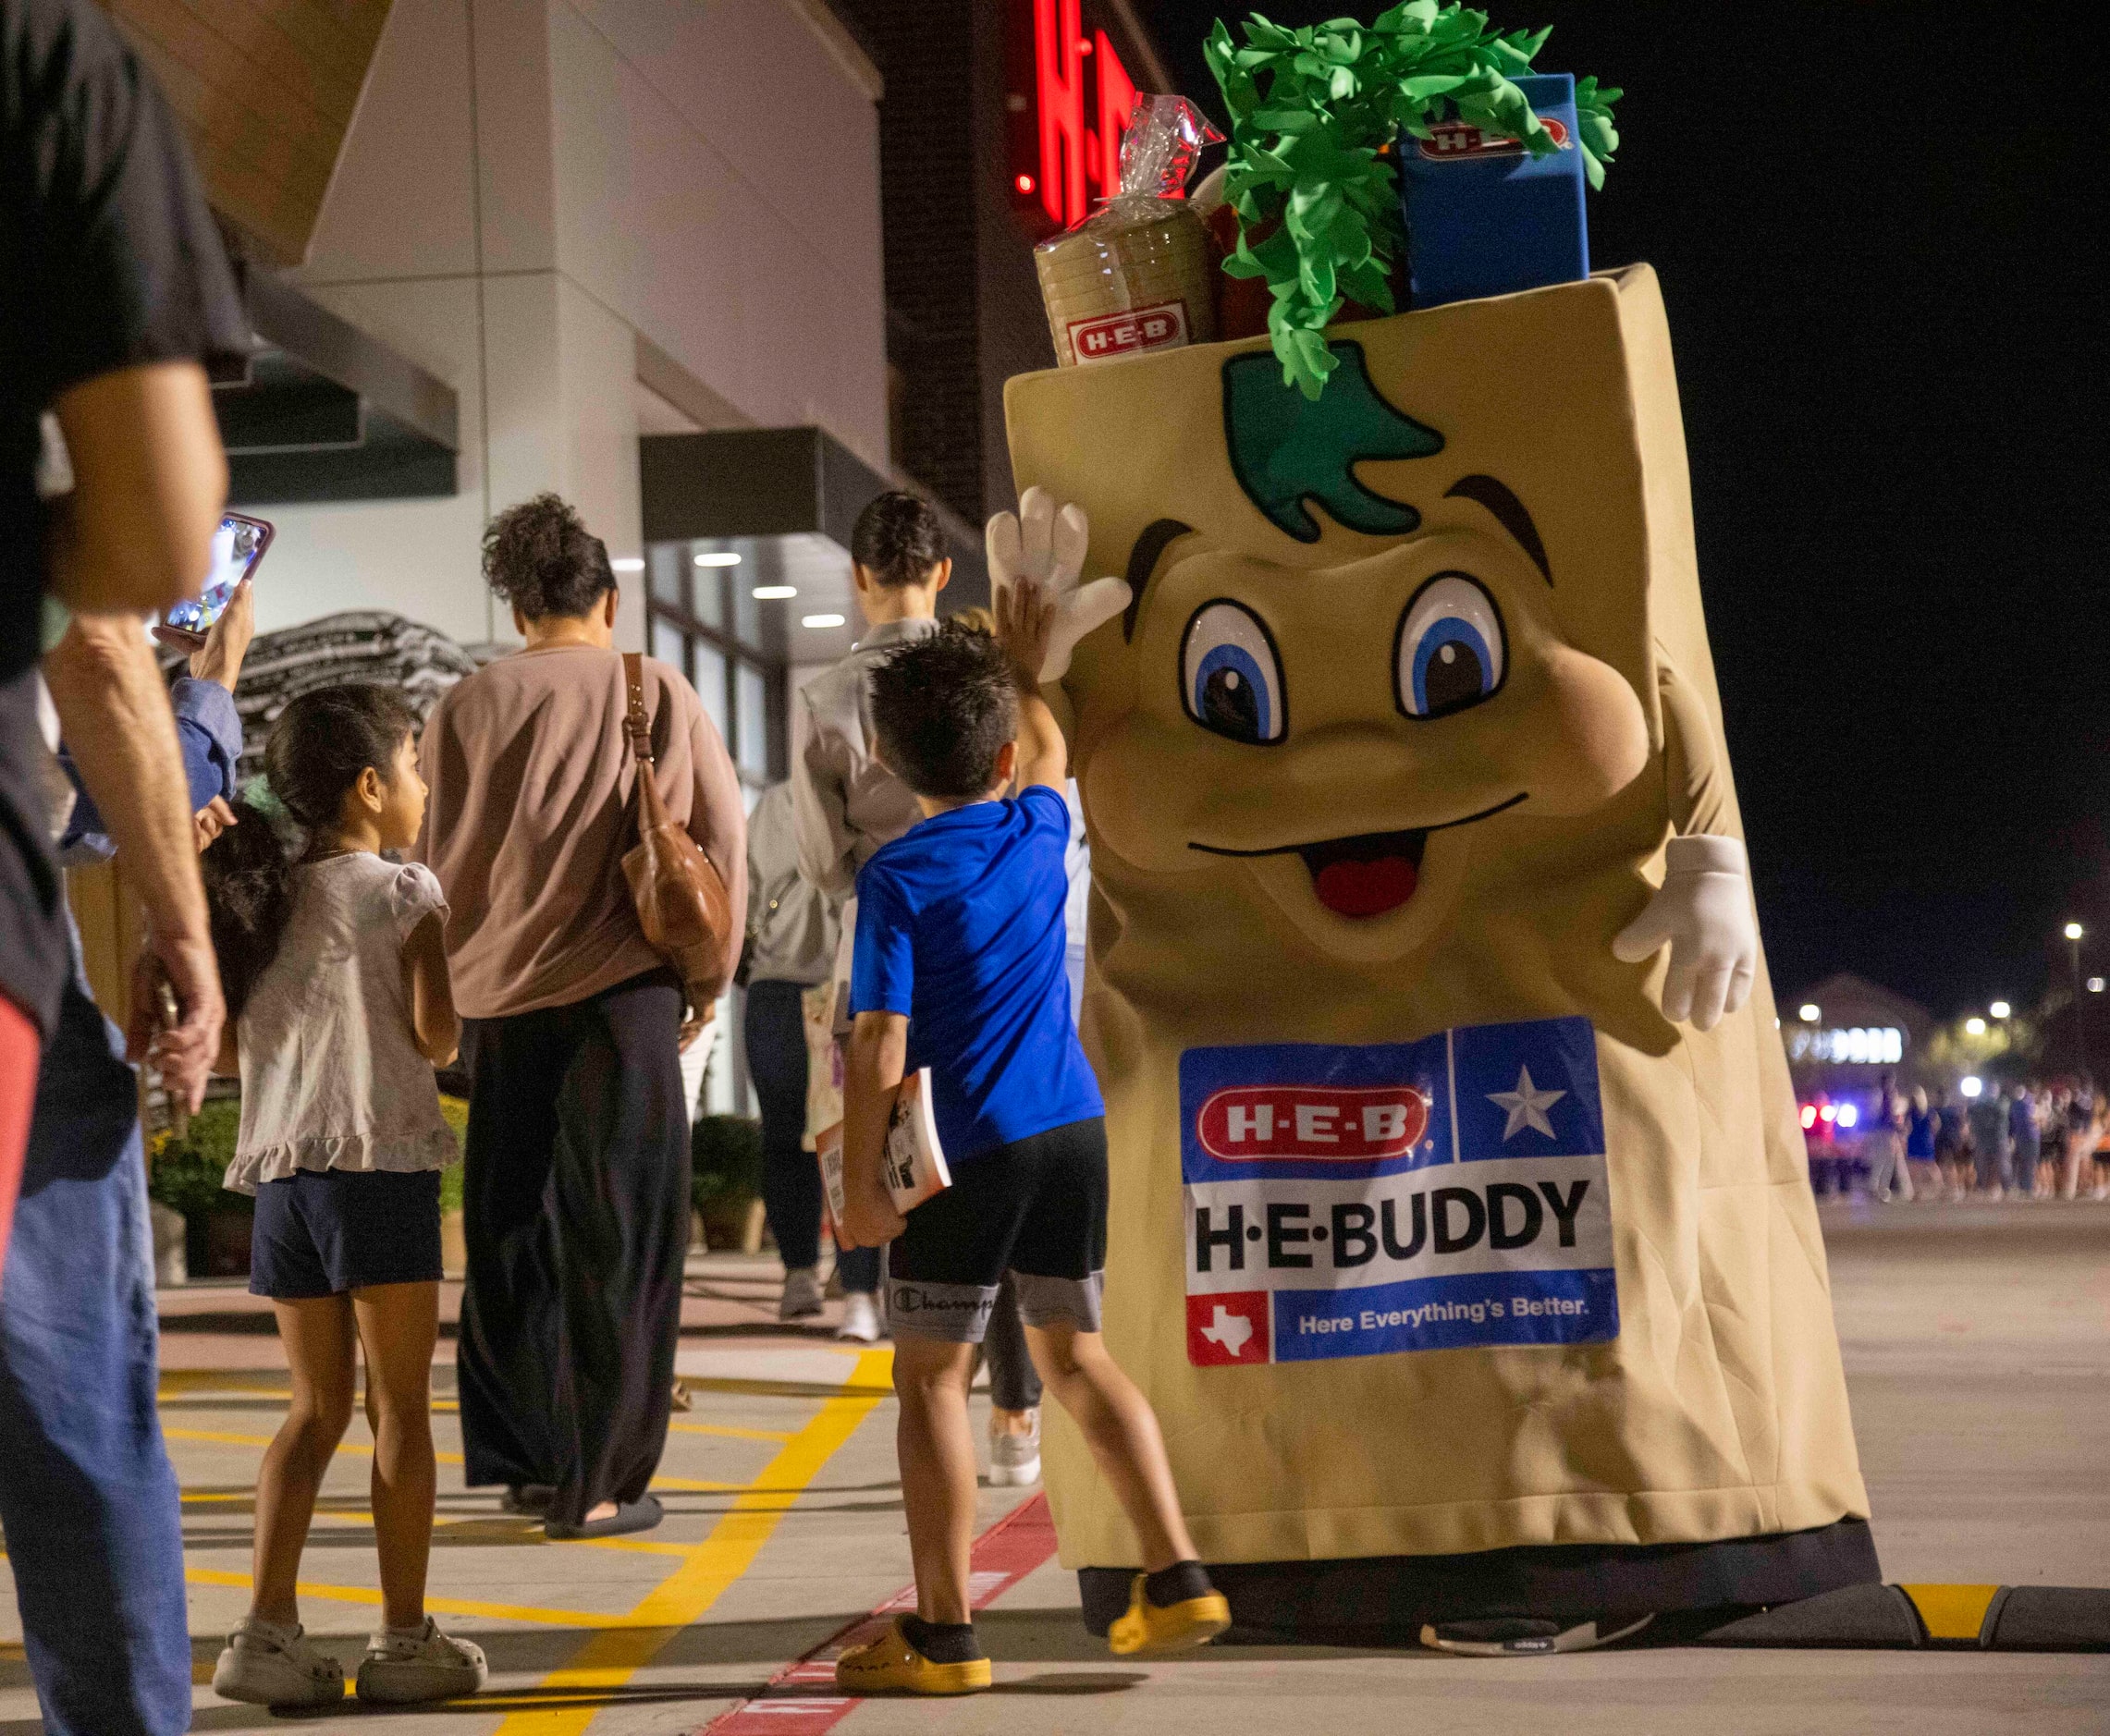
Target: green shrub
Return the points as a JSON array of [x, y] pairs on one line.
[[187, 1173], [726, 1151]]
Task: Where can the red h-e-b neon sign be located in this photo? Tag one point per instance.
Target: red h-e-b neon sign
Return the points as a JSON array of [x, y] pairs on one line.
[[1072, 156]]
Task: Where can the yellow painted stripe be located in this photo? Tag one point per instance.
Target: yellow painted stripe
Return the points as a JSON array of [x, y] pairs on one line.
[[439, 1606], [215, 1437], [219, 1438], [179, 1381], [170, 1391], [611, 1656], [729, 1434], [853, 1387], [1952, 1612]]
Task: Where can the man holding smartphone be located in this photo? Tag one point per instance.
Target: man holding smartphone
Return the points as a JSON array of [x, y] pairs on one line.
[[113, 290]]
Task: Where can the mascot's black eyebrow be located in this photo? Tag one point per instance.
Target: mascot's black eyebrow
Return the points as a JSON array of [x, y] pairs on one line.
[[1142, 564], [1508, 511]]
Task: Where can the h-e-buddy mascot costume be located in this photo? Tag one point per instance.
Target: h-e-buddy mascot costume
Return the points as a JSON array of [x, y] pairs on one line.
[[1461, 1233]]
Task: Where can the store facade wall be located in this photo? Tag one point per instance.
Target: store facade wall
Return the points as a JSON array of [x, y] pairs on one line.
[[538, 200], [964, 307]]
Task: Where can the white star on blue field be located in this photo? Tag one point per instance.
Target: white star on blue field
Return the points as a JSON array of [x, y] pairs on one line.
[[1527, 1106]]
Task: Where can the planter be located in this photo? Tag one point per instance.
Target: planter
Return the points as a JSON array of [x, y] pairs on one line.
[[171, 1256], [732, 1223]]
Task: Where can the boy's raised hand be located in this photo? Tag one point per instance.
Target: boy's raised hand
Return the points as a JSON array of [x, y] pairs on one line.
[[1047, 546], [1025, 627]]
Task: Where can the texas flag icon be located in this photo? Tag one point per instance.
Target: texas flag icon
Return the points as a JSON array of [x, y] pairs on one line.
[[1226, 1329]]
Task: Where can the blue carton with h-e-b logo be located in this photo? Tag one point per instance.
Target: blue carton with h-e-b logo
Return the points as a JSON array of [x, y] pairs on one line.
[[1484, 217]]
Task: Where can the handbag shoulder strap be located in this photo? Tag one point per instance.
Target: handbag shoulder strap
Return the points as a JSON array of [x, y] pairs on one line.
[[637, 725]]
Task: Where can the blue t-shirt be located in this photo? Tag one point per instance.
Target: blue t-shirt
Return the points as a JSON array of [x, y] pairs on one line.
[[960, 927]]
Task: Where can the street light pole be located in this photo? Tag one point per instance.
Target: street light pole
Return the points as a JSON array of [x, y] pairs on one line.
[[2073, 934]]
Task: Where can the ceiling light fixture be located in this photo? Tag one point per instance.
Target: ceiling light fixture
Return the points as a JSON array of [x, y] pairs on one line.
[[820, 621], [627, 563], [717, 560], [774, 594]]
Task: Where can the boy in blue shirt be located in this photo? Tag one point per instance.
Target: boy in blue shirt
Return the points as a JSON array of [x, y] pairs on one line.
[[959, 967]]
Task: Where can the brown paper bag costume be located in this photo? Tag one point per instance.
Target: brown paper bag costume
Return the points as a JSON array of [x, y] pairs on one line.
[[1521, 462]]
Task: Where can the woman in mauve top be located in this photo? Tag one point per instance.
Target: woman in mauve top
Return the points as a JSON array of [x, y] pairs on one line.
[[576, 1180]]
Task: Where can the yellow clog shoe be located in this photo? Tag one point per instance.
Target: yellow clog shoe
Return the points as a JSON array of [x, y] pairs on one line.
[[891, 1664], [1147, 1628]]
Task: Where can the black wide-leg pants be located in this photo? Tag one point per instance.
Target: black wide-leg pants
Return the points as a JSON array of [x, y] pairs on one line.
[[576, 1204]]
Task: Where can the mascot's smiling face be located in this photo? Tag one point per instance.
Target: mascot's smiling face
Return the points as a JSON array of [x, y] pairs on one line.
[[1355, 651]]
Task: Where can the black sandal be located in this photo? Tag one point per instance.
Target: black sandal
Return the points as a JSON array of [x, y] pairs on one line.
[[639, 1515], [527, 1498]]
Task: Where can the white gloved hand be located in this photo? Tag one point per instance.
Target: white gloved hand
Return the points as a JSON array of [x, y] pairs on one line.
[[1049, 546], [1703, 910]]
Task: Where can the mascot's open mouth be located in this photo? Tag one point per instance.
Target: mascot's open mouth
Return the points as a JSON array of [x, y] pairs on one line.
[[1365, 876], [1371, 872]]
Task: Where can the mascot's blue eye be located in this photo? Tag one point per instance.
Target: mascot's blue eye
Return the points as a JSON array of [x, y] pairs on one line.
[[1451, 651], [1231, 679]]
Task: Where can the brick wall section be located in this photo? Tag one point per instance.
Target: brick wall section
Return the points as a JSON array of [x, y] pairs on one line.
[[963, 310]]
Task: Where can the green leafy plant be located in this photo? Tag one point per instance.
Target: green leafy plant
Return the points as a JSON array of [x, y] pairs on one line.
[[1314, 111], [726, 1153], [187, 1174]]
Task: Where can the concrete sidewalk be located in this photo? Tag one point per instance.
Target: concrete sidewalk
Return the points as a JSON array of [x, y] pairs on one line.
[[1975, 1337]]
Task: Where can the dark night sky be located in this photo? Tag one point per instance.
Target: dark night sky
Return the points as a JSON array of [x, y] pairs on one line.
[[1878, 237]]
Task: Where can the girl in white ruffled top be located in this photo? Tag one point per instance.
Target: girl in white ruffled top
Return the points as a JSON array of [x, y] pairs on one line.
[[338, 1009]]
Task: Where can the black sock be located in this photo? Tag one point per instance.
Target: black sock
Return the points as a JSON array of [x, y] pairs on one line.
[[1177, 1584], [942, 1642]]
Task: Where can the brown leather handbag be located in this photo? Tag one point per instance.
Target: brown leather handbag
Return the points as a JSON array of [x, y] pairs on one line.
[[681, 901]]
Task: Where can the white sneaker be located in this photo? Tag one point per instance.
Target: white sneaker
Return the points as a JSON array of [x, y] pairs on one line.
[[269, 1664], [399, 1669], [1014, 1459], [802, 1293], [860, 1318]]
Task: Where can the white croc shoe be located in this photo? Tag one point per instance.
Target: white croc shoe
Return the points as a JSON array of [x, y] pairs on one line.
[[399, 1671], [266, 1664]]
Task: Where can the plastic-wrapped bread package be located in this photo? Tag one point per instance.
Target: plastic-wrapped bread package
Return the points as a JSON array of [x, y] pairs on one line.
[[1137, 274]]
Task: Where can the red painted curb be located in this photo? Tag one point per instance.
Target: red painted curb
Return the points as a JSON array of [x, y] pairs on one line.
[[801, 1698]]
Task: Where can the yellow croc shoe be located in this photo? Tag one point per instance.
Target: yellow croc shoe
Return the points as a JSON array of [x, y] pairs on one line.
[[891, 1664], [1148, 1627]]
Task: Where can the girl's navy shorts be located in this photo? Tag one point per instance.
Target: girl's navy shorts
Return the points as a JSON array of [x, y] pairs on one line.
[[324, 1232]]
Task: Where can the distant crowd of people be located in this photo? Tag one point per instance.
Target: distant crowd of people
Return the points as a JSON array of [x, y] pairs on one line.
[[2018, 1141]]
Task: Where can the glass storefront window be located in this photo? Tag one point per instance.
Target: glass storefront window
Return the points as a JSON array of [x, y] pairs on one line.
[[754, 721], [711, 596], [670, 580], [669, 644], [705, 622], [710, 686], [746, 611]]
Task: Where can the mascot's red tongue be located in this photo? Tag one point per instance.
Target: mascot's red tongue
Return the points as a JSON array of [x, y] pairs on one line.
[[1365, 888]]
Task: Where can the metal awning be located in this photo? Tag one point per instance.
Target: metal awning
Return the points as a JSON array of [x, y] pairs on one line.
[[323, 411], [735, 485]]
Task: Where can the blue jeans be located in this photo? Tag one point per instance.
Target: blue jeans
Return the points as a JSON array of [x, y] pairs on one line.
[[88, 1496]]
